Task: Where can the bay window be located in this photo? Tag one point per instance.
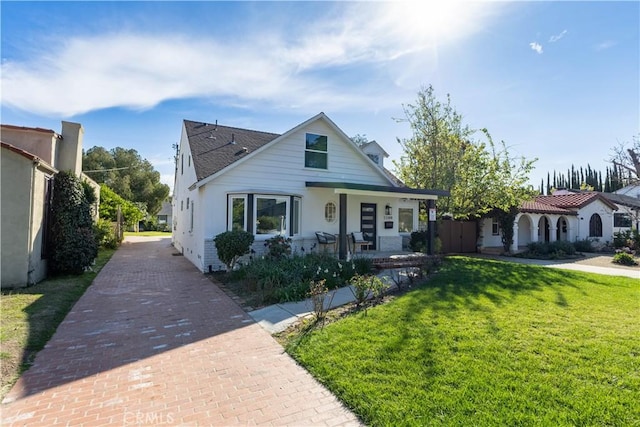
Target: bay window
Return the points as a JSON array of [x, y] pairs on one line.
[[264, 214]]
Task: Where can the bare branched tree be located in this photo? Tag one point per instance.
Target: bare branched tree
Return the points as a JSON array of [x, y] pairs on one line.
[[626, 158]]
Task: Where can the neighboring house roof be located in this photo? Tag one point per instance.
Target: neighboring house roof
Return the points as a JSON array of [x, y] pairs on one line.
[[576, 200], [28, 155], [214, 147], [24, 128], [166, 208], [366, 144], [630, 190], [621, 199], [538, 207]]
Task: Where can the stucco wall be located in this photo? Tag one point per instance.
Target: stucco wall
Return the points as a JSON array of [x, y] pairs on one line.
[[39, 143], [22, 221]]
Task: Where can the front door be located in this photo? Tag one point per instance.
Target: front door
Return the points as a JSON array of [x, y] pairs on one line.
[[368, 223]]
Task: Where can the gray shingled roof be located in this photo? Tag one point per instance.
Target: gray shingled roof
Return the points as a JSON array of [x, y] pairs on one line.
[[212, 149]]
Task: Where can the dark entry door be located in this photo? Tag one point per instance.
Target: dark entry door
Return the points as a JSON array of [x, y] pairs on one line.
[[368, 223]]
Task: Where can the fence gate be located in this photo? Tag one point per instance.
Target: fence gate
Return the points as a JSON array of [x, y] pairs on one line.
[[457, 236]]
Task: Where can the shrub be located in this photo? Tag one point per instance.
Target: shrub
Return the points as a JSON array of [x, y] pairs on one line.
[[317, 292], [418, 241], [624, 259], [365, 285], [279, 247], [585, 245], [231, 245], [629, 239], [72, 244], [106, 236]]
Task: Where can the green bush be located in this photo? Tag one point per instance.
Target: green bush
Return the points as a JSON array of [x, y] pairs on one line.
[[418, 242], [106, 236], [273, 280], [624, 259], [279, 247], [585, 245], [551, 250], [231, 245], [72, 242], [629, 239]]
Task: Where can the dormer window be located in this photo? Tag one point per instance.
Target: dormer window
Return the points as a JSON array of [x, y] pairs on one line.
[[316, 153], [375, 158]]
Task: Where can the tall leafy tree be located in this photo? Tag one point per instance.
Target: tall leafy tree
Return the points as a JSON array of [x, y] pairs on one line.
[[443, 154], [128, 174]]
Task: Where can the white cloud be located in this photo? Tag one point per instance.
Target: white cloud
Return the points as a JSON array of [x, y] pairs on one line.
[[275, 66], [604, 45], [536, 46], [557, 37]]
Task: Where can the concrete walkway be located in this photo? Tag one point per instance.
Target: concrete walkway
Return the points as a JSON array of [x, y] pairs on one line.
[[568, 265], [154, 342]]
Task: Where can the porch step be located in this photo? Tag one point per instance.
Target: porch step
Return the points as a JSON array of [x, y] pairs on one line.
[[401, 261]]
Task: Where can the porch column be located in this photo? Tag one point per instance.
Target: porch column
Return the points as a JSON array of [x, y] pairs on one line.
[[431, 204], [514, 244], [553, 228], [342, 238]]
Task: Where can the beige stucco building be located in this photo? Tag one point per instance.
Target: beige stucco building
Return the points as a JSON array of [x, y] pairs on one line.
[[30, 158]]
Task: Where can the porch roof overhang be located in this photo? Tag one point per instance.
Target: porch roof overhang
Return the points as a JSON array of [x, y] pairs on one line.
[[378, 190]]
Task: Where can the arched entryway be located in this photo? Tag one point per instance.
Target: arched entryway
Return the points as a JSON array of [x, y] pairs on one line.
[[524, 230], [543, 229], [562, 229]]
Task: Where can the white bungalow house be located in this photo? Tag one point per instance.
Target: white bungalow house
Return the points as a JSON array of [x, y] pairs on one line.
[[312, 178], [562, 216]]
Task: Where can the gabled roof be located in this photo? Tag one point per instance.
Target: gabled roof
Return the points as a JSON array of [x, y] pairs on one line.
[[214, 147]]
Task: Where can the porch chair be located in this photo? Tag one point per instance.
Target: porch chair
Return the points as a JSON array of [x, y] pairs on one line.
[[357, 239], [326, 239]]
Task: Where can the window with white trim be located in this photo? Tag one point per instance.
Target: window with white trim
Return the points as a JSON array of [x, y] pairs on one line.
[[316, 151], [191, 218], [237, 213], [271, 215], [405, 220], [495, 227], [330, 212]]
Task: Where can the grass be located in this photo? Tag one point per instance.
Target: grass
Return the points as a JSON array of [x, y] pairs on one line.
[[148, 233], [488, 343], [30, 316]]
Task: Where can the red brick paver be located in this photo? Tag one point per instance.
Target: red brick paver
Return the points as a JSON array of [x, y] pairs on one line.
[[154, 342]]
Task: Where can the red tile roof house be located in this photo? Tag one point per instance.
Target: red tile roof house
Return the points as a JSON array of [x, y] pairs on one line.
[[311, 178], [568, 217]]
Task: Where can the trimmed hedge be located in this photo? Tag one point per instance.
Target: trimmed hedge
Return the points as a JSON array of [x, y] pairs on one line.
[[72, 242]]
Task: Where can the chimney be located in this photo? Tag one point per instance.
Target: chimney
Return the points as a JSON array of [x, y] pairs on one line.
[[70, 148]]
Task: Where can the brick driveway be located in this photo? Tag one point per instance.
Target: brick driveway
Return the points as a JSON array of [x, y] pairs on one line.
[[154, 342]]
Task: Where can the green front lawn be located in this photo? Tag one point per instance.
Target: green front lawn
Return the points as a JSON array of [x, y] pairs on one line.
[[488, 343], [30, 317]]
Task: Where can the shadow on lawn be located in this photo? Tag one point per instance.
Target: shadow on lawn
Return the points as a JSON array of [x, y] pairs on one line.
[[466, 280]]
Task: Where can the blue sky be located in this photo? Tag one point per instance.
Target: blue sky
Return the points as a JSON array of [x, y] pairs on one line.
[[557, 81]]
